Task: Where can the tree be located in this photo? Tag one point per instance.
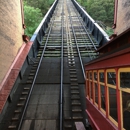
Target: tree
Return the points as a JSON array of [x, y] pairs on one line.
[[34, 11], [101, 10], [32, 18], [98, 13], [44, 5]]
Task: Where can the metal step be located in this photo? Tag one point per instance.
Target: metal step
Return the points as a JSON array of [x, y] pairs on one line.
[[75, 98], [72, 69], [72, 92], [30, 78], [24, 93], [77, 118], [26, 88], [29, 81], [33, 71], [17, 111], [74, 88], [76, 110], [31, 74], [22, 98], [75, 104], [20, 104], [12, 127], [73, 79], [74, 84], [73, 76], [14, 119], [68, 126]]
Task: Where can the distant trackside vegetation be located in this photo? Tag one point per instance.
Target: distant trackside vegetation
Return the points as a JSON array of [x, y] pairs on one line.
[[101, 11], [34, 11]]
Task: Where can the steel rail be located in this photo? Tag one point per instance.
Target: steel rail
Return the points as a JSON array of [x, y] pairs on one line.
[[32, 86], [81, 63], [61, 84], [87, 35], [86, 32], [81, 23], [85, 41], [88, 47]]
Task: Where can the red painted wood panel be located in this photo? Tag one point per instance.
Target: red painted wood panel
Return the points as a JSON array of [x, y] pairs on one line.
[[11, 77], [99, 120]]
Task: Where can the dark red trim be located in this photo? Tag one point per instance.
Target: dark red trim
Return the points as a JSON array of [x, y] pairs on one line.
[[118, 98], [11, 76], [110, 60], [119, 59], [99, 120], [25, 38], [93, 121], [116, 42], [106, 94]]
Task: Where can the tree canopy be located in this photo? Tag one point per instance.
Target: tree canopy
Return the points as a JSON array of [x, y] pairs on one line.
[[34, 11], [44, 5], [100, 10], [32, 18]]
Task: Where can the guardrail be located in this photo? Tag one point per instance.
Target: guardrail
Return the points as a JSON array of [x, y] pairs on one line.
[[99, 34], [40, 31]]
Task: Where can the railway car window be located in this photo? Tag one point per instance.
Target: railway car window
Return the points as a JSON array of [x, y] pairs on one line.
[[95, 88], [90, 75], [87, 74], [112, 103], [95, 76], [126, 110], [87, 88], [90, 86], [96, 93], [111, 78], [102, 89], [125, 79], [101, 76], [91, 90]]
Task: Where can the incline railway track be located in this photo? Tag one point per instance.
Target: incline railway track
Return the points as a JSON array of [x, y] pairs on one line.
[[51, 94]]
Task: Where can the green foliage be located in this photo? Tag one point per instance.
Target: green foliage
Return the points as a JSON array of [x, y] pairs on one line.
[[32, 18], [44, 5], [100, 10], [109, 31], [34, 11]]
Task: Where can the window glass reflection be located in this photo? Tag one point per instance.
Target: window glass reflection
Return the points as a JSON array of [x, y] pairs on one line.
[[101, 76], [96, 93], [95, 76], [111, 78], [126, 110], [125, 79], [103, 105], [112, 103]]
